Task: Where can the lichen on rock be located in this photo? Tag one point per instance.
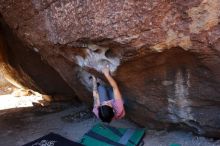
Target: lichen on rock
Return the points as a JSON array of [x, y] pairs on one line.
[[96, 58]]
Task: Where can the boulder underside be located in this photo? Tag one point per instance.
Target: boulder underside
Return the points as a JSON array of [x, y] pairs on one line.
[[165, 55]]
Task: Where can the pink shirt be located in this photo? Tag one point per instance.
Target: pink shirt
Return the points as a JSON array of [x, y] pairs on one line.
[[118, 108]]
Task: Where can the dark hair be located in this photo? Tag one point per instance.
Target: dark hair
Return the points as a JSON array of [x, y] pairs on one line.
[[105, 113]]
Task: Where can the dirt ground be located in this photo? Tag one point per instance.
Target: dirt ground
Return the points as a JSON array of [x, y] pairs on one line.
[[22, 125]]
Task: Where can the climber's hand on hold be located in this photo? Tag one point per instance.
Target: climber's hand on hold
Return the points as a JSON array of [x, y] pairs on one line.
[[106, 70], [94, 81], [93, 78]]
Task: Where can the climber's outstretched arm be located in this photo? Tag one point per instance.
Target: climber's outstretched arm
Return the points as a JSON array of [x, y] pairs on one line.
[[95, 92], [117, 93]]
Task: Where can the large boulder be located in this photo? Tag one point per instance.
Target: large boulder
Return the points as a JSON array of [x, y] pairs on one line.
[[165, 55]]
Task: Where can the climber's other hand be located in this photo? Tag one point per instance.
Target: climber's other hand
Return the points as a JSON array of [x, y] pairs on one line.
[[105, 70]]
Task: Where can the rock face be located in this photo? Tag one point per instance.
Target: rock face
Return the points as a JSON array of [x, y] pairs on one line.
[[164, 54]]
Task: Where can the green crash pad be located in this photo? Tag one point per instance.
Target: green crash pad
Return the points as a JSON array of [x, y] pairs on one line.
[[105, 135]]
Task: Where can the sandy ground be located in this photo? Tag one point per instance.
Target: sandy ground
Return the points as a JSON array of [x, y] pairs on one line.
[[22, 125]]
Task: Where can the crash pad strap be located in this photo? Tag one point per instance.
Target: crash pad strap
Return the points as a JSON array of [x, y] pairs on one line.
[[114, 130], [118, 133], [127, 135], [102, 138]]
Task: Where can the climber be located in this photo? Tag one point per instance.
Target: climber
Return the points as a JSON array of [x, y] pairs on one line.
[[108, 103]]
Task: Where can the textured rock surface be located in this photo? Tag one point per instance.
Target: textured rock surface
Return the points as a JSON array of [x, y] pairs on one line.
[[163, 53]]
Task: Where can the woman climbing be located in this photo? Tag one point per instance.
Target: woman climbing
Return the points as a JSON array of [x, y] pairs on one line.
[[108, 103]]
